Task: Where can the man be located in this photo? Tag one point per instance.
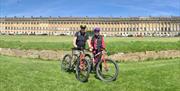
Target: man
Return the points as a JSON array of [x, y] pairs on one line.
[[81, 38], [97, 42]]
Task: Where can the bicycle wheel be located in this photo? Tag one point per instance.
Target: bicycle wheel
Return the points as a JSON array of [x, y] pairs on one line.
[[108, 70], [66, 63], [88, 57], [82, 70]]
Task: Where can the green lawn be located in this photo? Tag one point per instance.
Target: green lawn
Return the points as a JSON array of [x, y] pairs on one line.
[[20, 74], [114, 44], [25, 38]]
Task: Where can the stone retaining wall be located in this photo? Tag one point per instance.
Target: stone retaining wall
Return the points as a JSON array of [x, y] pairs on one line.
[[140, 56], [56, 55], [42, 54]]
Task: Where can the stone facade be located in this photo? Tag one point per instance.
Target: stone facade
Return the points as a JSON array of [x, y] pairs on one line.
[[110, 26]]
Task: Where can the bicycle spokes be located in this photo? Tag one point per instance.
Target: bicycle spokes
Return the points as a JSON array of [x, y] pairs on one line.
[[105, 65], [107, 69], [82, 65], [83, 70]]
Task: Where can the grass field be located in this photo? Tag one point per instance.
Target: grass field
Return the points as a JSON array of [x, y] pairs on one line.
[[20, 74], [114, 44]]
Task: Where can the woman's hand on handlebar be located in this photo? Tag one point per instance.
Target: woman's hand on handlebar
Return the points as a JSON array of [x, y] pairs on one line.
[[91, 49]]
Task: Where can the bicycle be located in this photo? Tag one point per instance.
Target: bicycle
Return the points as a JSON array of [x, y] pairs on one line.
[[79, 62], [106, 69]]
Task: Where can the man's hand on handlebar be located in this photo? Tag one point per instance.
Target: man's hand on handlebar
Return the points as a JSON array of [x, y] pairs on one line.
[[75, 46]]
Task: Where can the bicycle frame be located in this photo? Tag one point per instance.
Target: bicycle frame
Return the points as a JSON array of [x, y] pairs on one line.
[[102, 58], [81, 57], [81, 54]]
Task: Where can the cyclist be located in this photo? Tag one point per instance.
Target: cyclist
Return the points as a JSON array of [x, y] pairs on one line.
[[79, 41], [97, 43], [81, 38]]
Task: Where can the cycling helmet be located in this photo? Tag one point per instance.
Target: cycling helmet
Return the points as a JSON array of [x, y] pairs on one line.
[[96, 29]]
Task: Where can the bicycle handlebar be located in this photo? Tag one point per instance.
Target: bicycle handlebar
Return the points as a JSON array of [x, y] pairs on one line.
[[80, 49], [100, 53]]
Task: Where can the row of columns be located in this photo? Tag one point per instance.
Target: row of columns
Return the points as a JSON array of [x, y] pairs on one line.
[[151, 28]]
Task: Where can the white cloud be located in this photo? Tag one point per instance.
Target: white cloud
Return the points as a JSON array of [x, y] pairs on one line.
[[48, 9], [155, 8], [56, 7]]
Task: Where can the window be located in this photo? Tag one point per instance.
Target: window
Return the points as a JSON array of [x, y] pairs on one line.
[[144, 28], [162, 29]]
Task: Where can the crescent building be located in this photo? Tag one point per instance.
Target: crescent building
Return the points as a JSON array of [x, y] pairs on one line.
[[110, 26]]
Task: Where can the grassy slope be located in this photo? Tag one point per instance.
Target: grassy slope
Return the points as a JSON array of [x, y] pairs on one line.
[[114, 45], [19, 74]]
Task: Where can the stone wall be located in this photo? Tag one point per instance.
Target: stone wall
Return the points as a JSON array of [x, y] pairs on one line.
[[140, 56], [42, 54], [58, 55]]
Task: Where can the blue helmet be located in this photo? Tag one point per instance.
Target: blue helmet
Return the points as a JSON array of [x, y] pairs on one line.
[[97, 29]]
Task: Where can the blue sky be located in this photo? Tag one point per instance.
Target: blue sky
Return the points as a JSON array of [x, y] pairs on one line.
[[91, 8]]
